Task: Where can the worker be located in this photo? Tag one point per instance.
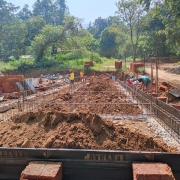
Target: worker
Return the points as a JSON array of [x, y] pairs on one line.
[[81, 75], [71, 77], [146, 82]]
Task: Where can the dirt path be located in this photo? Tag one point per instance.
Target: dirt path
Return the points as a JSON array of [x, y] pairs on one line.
[[166, 76]]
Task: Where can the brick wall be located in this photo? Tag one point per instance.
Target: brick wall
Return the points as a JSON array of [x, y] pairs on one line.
[[8, 83], [88, 64], [118, 64], [134, 66]]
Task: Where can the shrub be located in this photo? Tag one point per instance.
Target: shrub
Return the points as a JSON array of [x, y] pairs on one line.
[[96, 58]]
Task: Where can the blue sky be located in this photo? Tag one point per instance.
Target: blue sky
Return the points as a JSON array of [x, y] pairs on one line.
[[89, 10]]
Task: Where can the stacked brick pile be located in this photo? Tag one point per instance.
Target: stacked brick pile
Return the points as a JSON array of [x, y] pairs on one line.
[[118, 64], [134, 67], [88, 64], [8, 83]]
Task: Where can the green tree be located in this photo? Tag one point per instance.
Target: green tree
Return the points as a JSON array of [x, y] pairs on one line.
[[131, 13], [61, 10], [53, 12], [152, 28], [34, 26], [25, 13], [7, 18], [172, 5], [99, 25], [13, 39], [113, 20], [87, 40], [7, 11], [51, 35], [44, 9], [109, 42], [160, 27]]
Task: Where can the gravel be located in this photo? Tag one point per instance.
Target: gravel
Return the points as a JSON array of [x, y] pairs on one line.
[[163, 133]]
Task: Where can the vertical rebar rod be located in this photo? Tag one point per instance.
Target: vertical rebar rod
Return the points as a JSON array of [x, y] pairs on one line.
[[151, 73]]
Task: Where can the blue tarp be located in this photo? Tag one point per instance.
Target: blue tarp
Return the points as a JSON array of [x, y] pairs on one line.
[[31, 86], [21, 88]]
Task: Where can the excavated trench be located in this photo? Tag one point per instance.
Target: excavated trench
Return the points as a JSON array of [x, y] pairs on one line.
[[55, 126]]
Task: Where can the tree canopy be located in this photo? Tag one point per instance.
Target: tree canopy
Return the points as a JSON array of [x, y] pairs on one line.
[[138, 26]]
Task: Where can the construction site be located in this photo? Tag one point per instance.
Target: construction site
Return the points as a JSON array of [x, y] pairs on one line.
[[101, 128]]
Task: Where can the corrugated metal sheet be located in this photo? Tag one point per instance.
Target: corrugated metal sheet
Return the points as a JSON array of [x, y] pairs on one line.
[[175, 92]]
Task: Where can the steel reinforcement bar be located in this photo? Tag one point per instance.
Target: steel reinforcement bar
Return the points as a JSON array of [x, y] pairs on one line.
[[29, 103], [165, 114]]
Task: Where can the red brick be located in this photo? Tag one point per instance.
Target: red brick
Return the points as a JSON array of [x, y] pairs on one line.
[[4, 79], [118, 64], [9, 87], [163, 88], [162, 98], [152, 171], [177, 106], [154, 94], [40, 80], [86, 65], [90, 63], [42, 170], [134, 66]]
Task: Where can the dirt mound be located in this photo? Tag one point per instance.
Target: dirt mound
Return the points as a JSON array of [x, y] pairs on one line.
[[108, 105], [101, 95], [56, 129], [65, 97], [99, 83]]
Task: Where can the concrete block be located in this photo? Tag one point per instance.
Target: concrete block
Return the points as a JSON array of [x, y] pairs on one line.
[[42, 170], [152, 171]]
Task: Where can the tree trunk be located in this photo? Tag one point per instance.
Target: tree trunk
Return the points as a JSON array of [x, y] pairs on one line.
[[134, 53]]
